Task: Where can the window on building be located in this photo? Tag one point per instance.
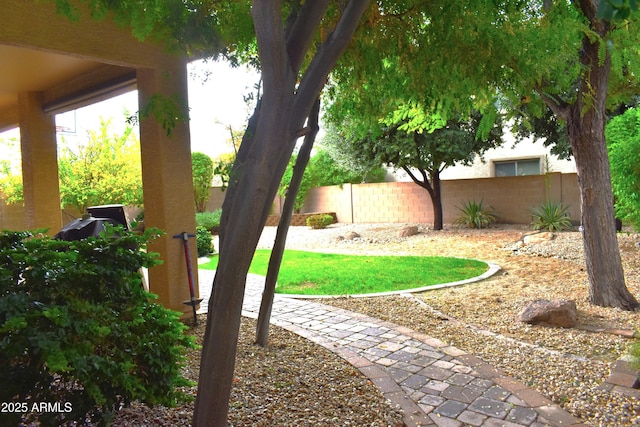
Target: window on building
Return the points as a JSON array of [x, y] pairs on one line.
[[518, 167]]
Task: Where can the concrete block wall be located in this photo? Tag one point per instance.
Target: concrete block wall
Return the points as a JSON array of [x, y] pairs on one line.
[[511, 198], [335, 198]]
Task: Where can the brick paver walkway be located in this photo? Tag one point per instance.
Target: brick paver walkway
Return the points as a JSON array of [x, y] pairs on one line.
[[436, 384]]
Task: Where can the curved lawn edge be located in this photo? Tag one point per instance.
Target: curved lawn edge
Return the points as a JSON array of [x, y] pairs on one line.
[[493, 269]]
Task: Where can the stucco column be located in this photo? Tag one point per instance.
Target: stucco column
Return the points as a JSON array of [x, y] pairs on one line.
[[167, 180], [39, 165]]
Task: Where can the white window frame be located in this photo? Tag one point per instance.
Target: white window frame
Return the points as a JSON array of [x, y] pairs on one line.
[[515, 161]]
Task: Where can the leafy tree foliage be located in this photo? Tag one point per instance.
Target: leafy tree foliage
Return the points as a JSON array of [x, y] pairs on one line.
[[574, 58], [424, 155], [323, 170], [223, 163], [78, 328], [335, 143], [202, 169], [623, 139], [222, 167], [105, 170], [10, 175]]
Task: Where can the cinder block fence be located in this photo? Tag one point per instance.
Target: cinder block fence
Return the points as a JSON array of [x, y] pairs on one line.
[[511, 198]]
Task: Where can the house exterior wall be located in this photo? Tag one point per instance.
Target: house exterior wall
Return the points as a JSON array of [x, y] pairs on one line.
[[526, 149], [510, 197]]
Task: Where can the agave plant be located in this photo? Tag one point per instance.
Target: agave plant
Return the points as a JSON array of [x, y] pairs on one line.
[[475, 215], [551, 216]]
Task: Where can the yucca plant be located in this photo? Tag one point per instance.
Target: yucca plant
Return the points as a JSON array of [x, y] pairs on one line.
[[551, 216], [475, 215]]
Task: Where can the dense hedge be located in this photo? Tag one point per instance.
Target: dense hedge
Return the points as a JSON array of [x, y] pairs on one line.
[[78, 330]]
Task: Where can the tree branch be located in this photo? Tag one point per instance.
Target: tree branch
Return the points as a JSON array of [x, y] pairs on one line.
[[272, 47], [559, 107], [424, 184], [301, 33], [326, 57]]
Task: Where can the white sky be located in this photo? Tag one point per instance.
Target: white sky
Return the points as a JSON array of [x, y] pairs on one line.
[[216, 101]]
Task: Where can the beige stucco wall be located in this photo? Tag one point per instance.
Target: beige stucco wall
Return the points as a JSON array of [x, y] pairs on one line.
[[510, 197]]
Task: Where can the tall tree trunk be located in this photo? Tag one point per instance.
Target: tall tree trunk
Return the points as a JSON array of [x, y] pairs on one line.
[[436, 199], [285, 105], [604, 267], [585, 127], [433, 188], [275, 260]]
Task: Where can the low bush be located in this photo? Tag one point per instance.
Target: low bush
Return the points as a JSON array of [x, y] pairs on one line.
[[78, 329], [475, 215], [634, 351], [320, 221], [203, 241], [551, 216], [209, 220]]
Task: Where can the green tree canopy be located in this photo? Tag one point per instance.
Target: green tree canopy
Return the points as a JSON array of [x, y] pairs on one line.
[[424, 155], [10, 173], [623, 139], [105, 170], [576, 58], [323, 170], [202, 169]]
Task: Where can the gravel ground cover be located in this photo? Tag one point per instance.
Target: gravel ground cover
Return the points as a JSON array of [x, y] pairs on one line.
[[292, 383], [295, 382], [565, 365]]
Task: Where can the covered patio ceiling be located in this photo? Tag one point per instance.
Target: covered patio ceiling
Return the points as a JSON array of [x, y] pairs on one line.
[[67, 82], [50, 64]]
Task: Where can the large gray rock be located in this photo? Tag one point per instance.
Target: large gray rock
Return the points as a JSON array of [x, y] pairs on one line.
[[559, 312]]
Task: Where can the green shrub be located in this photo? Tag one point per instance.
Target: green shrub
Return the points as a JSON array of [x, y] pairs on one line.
[[551, 216], [634, 351], [474, 215], [623, 143], [209, 220], [78, 328], [203, 241], [320, 221]]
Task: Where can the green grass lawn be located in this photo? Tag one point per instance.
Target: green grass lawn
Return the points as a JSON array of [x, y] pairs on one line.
[[313, 273]]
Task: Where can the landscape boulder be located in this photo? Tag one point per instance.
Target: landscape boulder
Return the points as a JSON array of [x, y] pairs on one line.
[[538, 237], [559, 312], [351, 235], [410, 230]]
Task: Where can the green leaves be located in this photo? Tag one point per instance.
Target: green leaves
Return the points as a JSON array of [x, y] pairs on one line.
[[324, 170], [77, 326], [623, 143], [617, 10], [551, 216], [474, 214], [106, 170], [202, 171]]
